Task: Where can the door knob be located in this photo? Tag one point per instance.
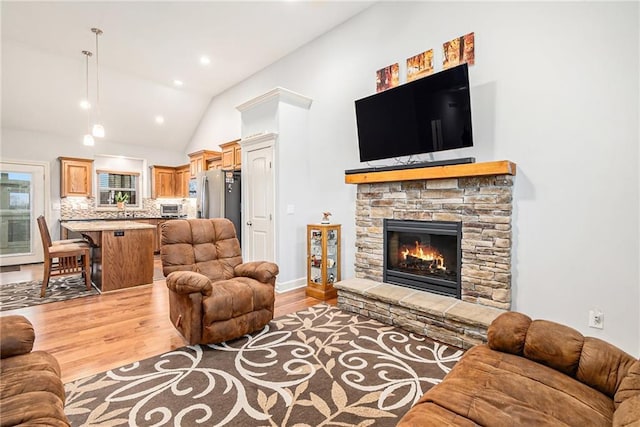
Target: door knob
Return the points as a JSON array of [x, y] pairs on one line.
[[249, 223]]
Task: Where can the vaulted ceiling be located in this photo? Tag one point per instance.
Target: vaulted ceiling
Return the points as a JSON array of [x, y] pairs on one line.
[[144, 47]]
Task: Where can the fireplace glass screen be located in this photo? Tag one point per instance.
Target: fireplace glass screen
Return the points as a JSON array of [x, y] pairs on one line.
[[424, 255]]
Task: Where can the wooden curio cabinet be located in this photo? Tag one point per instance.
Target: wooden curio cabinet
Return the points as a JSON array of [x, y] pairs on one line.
[[76, 177], [323, 260]]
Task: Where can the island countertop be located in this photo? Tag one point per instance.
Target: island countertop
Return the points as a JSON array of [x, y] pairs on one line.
[[101, 225]]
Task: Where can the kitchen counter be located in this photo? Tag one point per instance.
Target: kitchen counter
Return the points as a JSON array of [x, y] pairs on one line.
[[129, 218], [105, 225], [121, 252]]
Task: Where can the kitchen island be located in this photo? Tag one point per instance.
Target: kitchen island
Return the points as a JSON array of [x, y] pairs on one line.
[[122, 252]]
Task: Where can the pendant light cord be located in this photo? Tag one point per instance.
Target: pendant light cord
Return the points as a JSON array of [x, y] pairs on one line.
[[87, 54], [97, 32]]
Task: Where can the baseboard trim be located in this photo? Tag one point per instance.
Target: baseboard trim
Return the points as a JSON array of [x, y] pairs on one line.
[[291, 285]]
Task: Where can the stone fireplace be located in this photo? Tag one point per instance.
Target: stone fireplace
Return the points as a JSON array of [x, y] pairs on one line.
[[471, 202]]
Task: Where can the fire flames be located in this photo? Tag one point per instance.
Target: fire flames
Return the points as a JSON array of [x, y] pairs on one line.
[[424, 253]]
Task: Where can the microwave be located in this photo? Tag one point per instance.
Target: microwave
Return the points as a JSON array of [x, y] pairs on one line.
[[172, 210]]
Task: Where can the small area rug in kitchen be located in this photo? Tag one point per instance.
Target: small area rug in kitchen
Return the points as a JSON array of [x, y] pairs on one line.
[[27, 294], [319, 366]]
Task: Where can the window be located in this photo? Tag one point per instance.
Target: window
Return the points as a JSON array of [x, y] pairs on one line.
[[112, 183]]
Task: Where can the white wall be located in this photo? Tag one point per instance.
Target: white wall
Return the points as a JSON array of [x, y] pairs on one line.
[[555, 89]]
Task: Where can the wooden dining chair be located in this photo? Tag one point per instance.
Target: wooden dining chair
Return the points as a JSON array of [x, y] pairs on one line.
[[62, 258]]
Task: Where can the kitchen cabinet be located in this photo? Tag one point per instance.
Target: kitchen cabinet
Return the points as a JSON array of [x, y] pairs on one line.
[[231, 155], [198, 160], [323, 260], [183, 175], [163, 181], [76, 177]]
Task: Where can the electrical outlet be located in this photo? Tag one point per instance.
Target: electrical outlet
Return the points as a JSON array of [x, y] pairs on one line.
[[596, 319]]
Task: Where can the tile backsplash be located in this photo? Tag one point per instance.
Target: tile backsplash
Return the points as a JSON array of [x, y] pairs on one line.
[[85, 208]]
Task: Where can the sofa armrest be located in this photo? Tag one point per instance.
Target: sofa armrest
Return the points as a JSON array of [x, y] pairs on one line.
[[262, 271], [16, 336], [187, 282]]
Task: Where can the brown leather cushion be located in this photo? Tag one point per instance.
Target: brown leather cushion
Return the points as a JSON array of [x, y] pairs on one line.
[[20, 382], [32, 408], [34, 361], [494, 388], [16, 335], [630, 385], [628, 413], [207, 246]]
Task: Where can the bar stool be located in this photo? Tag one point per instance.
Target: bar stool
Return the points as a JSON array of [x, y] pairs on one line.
[[63, 257]]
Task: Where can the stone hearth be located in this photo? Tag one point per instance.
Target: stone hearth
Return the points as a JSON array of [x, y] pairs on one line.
[[479, 195]]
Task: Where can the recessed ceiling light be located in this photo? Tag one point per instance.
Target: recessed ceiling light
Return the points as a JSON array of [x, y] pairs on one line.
[[159, 120], [204, 60], [178, 83], [85, 105]]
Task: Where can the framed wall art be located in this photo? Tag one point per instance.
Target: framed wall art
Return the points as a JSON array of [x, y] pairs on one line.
[[387, 77], [420, 65]]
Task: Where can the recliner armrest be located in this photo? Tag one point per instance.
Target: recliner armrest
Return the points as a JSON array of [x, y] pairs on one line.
[[16, 336], [187, 282], [262, 271]]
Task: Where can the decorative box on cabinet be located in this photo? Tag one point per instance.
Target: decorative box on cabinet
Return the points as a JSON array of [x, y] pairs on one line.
[[323, 260], [198, 160], [231, 154], [75, 177], [214, 163]]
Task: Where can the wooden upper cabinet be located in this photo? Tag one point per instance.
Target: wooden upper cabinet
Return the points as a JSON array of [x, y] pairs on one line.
[[198, 160], [163, 182], [76, 177], [231, 155], [183, 175]]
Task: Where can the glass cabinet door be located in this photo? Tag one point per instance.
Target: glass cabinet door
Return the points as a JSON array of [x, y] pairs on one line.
[[315, 255], [332, 256]]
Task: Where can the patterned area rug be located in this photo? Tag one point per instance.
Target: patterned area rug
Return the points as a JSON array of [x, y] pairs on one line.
[[320, 366], [26, 294]]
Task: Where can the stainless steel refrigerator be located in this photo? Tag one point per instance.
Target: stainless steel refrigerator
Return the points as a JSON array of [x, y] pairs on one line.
[[218, 196]]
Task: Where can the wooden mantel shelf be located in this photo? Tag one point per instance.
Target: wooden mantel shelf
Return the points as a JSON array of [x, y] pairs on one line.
[[501, 167]]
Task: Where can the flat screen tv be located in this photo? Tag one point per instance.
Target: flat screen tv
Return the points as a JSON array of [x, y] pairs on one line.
[[422, 116]]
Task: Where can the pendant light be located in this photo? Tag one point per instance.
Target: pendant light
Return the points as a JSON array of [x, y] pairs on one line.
[[88, 138], [98, 129]]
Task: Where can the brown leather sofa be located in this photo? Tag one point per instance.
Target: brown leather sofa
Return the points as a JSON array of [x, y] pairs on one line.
[[31, 392], [534, 373], [213, 295]]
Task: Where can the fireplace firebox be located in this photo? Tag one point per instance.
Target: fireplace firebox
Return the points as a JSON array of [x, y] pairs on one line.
[[424, 255]]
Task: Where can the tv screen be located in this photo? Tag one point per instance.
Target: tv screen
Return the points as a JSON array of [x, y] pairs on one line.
[[423, 116]]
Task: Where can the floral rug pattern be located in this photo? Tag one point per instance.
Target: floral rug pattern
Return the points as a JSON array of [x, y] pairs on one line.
[[316, 367], [27, 294]]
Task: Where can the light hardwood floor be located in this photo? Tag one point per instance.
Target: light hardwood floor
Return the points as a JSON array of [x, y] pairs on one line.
[[97, 333]]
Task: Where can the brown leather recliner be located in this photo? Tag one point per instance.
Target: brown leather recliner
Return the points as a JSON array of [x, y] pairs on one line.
[[213, 295]]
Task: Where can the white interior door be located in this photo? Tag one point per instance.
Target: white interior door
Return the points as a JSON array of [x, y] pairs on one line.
[[22, 200], [258, 183]]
